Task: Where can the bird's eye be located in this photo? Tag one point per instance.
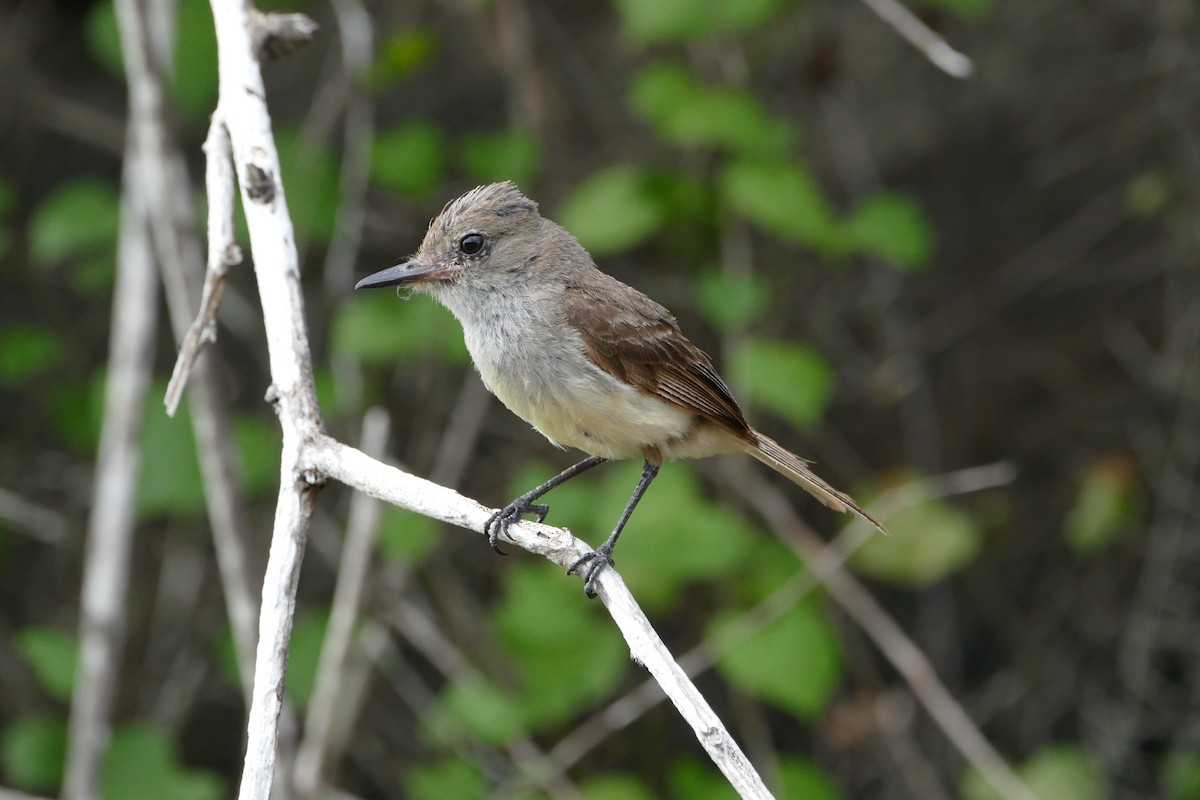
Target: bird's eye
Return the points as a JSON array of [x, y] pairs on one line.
[[471, 244]]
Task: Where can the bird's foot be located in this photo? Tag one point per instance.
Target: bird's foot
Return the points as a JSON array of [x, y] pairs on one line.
[[596, 561], [498, 523]]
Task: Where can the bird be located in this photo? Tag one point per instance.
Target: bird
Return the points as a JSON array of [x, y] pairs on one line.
[[588, 361]]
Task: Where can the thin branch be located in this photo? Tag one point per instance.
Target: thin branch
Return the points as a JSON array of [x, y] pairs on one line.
[[327, 457], [223, 253], [899, 650], [624, 711], [319, 746], [922, 37], [41, 523], [111, 525]]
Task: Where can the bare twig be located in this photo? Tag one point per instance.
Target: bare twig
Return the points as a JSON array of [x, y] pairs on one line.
[[111, 525], [922, 37], [242, 107], [223, 253], [327, 457], [625, 710], [277, 35], [319, 746], [357, 51], [38, 521], [903, 654]]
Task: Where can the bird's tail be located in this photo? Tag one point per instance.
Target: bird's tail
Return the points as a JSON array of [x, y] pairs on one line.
[[790, 465]]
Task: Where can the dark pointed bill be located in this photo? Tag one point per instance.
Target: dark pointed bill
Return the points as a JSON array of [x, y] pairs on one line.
[[405, 272]]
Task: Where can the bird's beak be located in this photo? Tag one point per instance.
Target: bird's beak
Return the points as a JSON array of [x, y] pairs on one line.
[[405, 273]]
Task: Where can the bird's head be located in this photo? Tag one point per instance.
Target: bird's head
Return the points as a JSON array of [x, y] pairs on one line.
[[483, 241]]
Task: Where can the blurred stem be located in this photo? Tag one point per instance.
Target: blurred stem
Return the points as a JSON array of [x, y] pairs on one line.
[[112, 521]]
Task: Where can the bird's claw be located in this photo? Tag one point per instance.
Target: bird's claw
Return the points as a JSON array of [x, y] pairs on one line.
[[596, 561], [497, 524]]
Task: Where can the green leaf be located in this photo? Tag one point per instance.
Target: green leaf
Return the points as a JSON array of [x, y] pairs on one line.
[[784, 199], [78, 223], [259, 444], [542, 619], [801, 778], [194, 87], [170, 483], [104, 38], [615, 787], [686, 112], [504, 155], [892, 227], [77, 410], [141, 765], [787, 379], [26, 352], [377, 328], [409, 159], [405, 53], [731, 302], [444, 779], [406, 537], [795, 663], [490, 713], [310, 177], [930, 540], [1148, 194], [648, 21], [51, 654], [691, 780], [33, 751], [614, 210], [303, 655], [974, 10], [1181, 775], [1106, 507], [1058, 772]]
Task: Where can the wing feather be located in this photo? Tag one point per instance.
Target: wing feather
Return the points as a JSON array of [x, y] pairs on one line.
[[637, 341]]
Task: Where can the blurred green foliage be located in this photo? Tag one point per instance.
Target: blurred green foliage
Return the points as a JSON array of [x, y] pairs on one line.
[[685, 20], [51, 654], [689, 114], [931, 539], [1181, 775], [1107, 506], [141, 765], [787, 379], [194, 88], [303, 655], [27, 351], [376, 329], [33, 750], [404, 53], [409, 159], [77, 226], [512, 155], [449, 778], [614, 209], [1058, 772]]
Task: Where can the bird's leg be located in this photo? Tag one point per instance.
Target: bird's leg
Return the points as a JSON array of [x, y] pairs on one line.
[[601, 557], [497, 524]]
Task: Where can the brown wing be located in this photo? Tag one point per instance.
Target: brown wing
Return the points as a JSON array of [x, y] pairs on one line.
[[637, 341]]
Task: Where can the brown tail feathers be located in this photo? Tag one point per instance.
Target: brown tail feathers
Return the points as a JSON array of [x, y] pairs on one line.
[[790, 465]]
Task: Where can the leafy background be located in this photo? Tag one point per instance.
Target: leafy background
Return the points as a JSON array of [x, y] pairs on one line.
[[902, 274]]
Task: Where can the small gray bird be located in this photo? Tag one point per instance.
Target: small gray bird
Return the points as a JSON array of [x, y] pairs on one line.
[[590, 362]]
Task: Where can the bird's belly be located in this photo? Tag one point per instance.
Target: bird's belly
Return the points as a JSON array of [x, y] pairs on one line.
[[590, 410]]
